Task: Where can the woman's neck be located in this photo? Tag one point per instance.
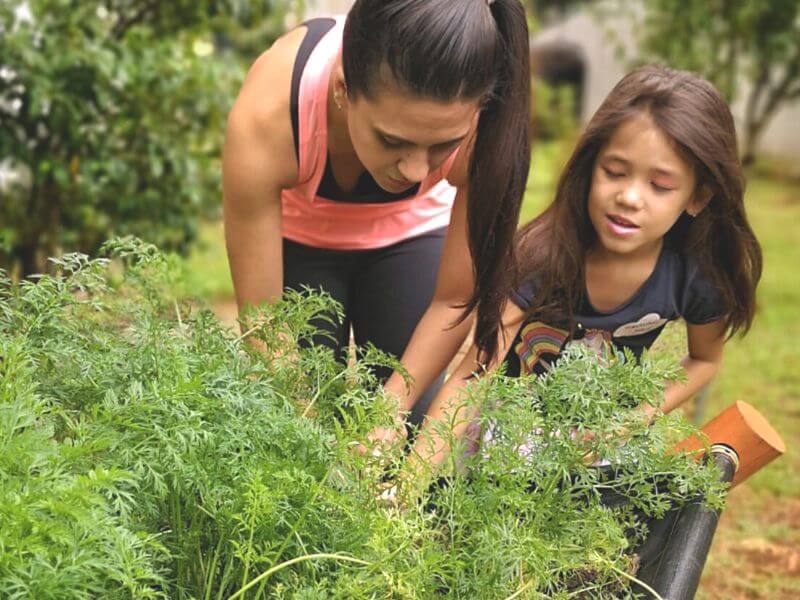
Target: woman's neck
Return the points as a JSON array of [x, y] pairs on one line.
[[339, 143]]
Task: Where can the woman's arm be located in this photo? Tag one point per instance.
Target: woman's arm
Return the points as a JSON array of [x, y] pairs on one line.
[[430, 447], [258, 162], [705, 344], [434, 341]]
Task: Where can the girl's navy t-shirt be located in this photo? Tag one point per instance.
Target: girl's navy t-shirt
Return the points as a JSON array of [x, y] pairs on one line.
[[675, 289]]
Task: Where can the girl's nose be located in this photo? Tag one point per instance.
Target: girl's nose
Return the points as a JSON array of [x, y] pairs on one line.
[[629, 197], [414, 167]]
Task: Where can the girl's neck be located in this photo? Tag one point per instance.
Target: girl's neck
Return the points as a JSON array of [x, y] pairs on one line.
[[612, 279], [598, 255]]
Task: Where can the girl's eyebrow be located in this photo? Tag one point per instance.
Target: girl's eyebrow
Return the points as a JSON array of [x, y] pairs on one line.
[[657, 170]]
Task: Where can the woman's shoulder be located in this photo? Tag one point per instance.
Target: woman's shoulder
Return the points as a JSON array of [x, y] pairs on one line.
[[261, 112], [266, 92]]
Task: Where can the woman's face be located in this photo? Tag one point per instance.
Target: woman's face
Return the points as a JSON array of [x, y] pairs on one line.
[[401, 138]]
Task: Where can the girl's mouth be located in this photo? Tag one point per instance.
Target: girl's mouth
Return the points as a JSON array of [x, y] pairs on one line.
[[620, 226]]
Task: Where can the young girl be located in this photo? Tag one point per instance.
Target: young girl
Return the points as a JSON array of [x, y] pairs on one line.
[[364, 152], [647, 226]]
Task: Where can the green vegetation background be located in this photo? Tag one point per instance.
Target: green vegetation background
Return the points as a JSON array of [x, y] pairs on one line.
[[757, 547]]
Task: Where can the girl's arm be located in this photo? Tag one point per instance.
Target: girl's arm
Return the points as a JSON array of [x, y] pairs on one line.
[[705, 344], [430, 447]]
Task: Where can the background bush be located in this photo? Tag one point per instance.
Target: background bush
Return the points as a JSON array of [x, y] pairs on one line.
[[111, 116]]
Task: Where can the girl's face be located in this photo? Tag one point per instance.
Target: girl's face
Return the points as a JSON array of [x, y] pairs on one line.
[[401, 138], [640, 186]]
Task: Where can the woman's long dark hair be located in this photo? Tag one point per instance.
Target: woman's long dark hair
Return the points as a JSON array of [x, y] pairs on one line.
[[453, 50], [692, 113]]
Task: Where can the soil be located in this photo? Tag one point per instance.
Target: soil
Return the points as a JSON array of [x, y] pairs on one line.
[[741, 567]]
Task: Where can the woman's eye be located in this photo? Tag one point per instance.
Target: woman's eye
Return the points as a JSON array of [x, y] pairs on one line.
[[390, 142], [448, 147]]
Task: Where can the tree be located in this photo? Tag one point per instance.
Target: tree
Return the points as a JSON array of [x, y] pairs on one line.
[[111, 115], [731, 43]]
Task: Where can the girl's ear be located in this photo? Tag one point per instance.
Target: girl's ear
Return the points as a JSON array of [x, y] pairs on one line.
[[700, 199]]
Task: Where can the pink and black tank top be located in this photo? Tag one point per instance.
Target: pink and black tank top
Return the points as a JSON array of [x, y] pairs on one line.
[[315, 211]]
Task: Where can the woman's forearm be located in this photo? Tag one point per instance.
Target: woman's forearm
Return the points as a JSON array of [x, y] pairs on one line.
[[447, 421], [433, 345]]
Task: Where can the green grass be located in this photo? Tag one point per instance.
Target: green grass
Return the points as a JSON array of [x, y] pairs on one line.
[[762, 368], [207, 275]]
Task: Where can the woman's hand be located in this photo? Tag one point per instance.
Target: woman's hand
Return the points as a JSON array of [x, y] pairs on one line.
[[384, 437]]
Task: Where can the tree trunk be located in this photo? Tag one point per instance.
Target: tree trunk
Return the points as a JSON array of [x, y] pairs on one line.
[[30, 260]]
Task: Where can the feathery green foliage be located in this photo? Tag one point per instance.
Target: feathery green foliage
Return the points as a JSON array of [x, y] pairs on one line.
[[147, 452]]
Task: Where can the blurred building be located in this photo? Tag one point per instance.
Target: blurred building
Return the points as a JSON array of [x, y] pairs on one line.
[[316, 8], [581, 42], [576, 48]]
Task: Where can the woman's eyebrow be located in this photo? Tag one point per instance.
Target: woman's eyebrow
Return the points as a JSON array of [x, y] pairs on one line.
[[401, 140]]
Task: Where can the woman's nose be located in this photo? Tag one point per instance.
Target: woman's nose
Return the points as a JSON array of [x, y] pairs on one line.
[[414, 167]]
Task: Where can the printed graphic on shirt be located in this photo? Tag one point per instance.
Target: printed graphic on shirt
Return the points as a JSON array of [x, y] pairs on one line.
[[597, 340], [539, 345], [647, 323]]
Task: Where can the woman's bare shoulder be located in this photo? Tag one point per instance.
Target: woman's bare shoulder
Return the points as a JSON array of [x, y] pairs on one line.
[[261, 111]]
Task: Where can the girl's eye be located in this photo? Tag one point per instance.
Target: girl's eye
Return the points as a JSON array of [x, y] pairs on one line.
[[660, 188], [612, 174]]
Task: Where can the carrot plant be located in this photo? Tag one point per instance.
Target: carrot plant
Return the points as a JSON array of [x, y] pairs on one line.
[[148, 452]]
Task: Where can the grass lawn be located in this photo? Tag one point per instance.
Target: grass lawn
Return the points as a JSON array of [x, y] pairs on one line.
[[756, 552]]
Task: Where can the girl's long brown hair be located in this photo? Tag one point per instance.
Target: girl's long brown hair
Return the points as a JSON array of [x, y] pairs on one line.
[[691, 112], [453, 50]]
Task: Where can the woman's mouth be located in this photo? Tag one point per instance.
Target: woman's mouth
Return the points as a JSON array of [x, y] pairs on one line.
[[619, 225], [400, 184]]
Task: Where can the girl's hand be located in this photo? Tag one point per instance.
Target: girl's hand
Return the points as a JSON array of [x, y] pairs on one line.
[[647, 412], [406, 489]]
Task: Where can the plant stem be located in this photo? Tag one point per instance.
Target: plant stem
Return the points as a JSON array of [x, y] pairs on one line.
[[630, 577], [293, 561]]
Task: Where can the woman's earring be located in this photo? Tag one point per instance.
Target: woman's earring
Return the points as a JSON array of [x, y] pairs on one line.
[[337, 97]]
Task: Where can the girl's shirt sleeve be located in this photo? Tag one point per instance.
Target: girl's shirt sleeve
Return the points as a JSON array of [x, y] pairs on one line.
[[524, 294], [701, 301]]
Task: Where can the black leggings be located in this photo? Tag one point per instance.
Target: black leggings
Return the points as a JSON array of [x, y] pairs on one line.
[[384, 293]]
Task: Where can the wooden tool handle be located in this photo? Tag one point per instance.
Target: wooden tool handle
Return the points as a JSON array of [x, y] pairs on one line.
[[745, 430]]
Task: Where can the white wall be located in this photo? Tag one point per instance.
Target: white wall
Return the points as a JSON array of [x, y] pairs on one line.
[[319, 8], [604, 68]]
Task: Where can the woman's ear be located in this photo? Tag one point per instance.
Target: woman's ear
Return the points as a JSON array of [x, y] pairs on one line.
[[700, 199], [339, 89]]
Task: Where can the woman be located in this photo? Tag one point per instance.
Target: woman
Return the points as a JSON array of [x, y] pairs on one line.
[[383, 158]]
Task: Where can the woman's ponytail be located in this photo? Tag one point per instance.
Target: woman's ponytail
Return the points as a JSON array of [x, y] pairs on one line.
[[497, 176]]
